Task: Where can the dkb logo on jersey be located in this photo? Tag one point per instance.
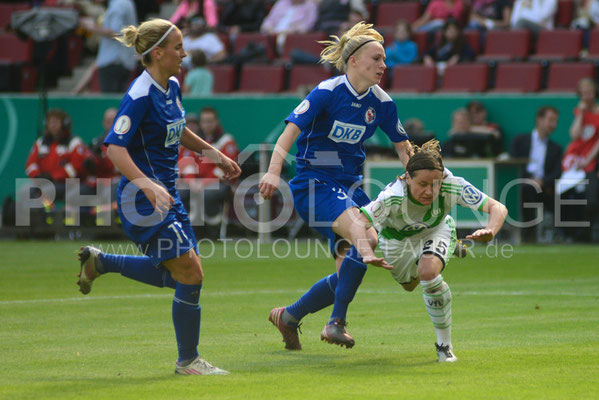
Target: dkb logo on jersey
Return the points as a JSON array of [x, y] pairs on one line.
[[173, 132], [471, 195], [346, 133]]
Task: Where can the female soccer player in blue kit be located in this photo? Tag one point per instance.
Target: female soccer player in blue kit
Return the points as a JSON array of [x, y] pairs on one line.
[[331, 125], [144, 145]]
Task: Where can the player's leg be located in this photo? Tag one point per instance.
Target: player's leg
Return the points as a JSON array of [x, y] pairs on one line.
[[140, 268], [436, 293]]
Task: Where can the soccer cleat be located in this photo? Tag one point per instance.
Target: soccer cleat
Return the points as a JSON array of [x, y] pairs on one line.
[[445, 353], [337, 334], [88, 257], [199, 366], [460, 250], [290, 336]]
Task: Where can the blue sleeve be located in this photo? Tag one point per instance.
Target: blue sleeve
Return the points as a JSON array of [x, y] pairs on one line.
[[391, 124], [304, 114], [130, 115]]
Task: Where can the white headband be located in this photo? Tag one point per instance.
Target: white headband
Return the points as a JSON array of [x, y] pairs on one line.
[[159, 40]]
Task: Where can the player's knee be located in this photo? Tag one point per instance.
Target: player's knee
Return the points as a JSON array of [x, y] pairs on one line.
[[410, 286], [188, 272], [429, 267]]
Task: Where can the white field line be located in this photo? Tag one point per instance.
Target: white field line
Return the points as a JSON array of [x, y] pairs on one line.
[[208, 293]]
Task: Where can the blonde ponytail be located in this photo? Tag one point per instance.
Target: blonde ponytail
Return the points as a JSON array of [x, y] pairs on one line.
[[145, 36], [338, 50]]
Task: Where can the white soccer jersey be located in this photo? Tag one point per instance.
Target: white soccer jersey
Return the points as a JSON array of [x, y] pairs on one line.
[[396, 215]]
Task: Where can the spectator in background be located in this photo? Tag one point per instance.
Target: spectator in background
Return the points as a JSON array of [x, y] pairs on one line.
[[460, 122], [542, 168], [534, 15], [103, 166], [587, 14], [198, 37], [437, 13], [581, 155], [211, 180], [199, 81], [452, 49], [333, 13], [480, 125], [403, 50], [289, 16], [189, 9], [115, 62], [415, 129], [490, 14], [243, 16]]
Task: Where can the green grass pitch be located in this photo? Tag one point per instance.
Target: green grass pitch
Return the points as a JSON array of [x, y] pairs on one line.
[[524, 327]]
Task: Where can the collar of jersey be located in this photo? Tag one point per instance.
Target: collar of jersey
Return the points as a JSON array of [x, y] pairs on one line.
[[158, 85], [353, 91]]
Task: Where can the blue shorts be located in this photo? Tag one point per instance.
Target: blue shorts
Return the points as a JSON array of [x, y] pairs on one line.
[[320, 200], [159, 236]]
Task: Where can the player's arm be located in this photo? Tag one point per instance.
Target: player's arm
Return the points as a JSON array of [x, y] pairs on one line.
[[270, 181], [404, 151], [497, 214], [158, 195], [195, 143]]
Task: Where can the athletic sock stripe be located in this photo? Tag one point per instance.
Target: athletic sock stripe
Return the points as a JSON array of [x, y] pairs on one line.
[[185, 302]]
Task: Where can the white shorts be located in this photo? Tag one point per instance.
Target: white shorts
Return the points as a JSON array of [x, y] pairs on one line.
[[404, 254]]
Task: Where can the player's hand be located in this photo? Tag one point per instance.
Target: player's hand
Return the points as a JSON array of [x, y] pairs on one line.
[[481, 235], [269, 184], [229, 167], [377, 262], [159, 197]]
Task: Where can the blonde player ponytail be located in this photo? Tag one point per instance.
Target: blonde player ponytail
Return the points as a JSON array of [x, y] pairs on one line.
[[338, 50], [145, 37]]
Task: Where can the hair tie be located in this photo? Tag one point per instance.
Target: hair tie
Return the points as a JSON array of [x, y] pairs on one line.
[[356, 49], [159, 40]]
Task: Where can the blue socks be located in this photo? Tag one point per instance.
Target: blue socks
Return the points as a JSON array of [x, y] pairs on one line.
[[321, 295], [350, 276], [187, 315], [138, 268]]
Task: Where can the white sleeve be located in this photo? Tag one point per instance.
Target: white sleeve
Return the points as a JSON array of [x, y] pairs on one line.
[[388, 200], [469, 196]]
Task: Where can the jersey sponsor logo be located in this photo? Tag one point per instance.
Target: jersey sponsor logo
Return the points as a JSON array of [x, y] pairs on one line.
[[357, 105], [174, 131], [122, 125], [370, 115], [400, 128], [302, 107], [417, 226], [471, 195], [342, 132]]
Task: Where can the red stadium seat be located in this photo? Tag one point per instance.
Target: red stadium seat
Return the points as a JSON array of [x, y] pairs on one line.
[[472, 38], [506, 45], [307, 42], [224, 78], [564, 77], [389, 13], [308, 75], [518, 77], [558, 44], [465, 78], [6, 11], [261, 78], [14, 50], [28, 78], [244, 39], [414, 78], [564, 14], [594, 45]]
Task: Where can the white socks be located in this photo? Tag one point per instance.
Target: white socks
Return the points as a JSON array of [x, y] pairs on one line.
[[437, 300]]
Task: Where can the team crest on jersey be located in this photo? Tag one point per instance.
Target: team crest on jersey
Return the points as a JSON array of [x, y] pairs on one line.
[[471, 195], [302, 107], [370, 115], [174, 131], [415, 227], [342, 132], [377, 210], [122, 125]]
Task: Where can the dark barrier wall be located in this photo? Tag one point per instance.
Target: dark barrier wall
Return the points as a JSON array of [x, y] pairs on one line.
[[260, 119]]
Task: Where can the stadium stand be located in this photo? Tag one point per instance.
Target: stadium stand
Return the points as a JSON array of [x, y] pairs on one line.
[[307, 42], [564, 14], [506, 45], [465, 78], [563, 77], [414, 78], [559, 44], [389, 13], [518, 77], [307, 75], [224, 78], [262, 78], [245, 38]]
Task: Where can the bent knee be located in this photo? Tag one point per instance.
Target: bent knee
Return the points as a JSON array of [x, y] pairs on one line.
[[409, 287]]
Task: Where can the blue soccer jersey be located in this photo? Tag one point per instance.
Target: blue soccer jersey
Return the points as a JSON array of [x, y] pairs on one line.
[[335, 121], [149, 123]]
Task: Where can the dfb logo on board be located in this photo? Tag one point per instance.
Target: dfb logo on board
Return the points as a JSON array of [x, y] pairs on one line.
[[342, 132]]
